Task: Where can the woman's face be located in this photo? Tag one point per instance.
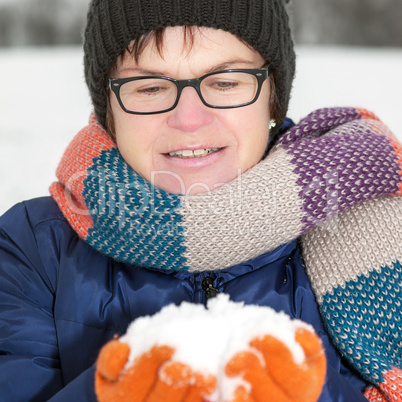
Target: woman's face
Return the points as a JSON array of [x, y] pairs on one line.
[[239, 135]]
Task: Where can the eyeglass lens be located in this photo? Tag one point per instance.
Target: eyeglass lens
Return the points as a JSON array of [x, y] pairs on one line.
[[226, 89]]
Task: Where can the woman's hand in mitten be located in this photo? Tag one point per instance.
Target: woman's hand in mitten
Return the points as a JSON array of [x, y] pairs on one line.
[[227, 352], [273, 373], [152, 377]]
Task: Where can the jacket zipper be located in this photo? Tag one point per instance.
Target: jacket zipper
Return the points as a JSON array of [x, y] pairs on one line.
[[207, 286]]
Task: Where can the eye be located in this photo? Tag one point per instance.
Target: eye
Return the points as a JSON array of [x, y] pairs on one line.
[[146, 88], [154, 89], [224, 85]]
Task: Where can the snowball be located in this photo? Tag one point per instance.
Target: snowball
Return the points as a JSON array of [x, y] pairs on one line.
[[207, 338]]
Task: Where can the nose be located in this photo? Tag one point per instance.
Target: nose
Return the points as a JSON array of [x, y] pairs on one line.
[[190, 114]]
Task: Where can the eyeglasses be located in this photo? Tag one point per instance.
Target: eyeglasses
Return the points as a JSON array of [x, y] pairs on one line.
[[220, 90]]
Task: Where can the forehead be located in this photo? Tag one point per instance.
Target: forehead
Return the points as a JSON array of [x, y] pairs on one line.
[[192, 46]]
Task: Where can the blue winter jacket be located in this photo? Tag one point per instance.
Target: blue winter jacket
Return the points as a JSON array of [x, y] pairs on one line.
[[60, 301]]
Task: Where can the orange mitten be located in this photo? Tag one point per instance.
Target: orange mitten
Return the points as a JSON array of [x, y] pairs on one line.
[[152, 377], [228, 352], [279, 374]]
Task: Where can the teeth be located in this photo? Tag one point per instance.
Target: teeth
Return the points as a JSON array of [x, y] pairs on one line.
[[198, 153], [187, 153]]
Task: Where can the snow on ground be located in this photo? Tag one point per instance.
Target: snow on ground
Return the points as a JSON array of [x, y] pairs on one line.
[[44, 102]]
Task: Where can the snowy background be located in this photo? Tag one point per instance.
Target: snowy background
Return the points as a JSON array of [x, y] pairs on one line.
[[44, 100], [44, 103]]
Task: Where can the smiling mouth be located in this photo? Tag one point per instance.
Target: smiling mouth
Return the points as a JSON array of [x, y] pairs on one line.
[[197, 153]]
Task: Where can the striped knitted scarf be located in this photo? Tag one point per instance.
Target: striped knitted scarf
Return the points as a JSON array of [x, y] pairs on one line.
[[329, 180]]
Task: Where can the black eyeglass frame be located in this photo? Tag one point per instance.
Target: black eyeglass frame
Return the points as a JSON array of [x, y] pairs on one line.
[[114, 84]]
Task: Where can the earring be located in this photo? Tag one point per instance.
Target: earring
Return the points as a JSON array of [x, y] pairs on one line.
[[272, 123]]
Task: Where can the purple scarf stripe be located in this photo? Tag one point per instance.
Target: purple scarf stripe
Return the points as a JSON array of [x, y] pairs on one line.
[[318, 123], [340, 170]]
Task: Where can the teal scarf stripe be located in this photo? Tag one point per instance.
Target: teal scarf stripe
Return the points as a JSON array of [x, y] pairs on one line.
[[113, 193], [364, 317]]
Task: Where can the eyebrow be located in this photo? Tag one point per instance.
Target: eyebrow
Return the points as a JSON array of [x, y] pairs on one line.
[[222, 66], [143, 71], [228, 64]]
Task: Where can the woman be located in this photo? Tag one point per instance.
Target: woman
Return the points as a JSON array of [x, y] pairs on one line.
[[189, 181]]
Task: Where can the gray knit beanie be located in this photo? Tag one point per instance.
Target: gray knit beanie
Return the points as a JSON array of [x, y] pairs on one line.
[[113, 24]]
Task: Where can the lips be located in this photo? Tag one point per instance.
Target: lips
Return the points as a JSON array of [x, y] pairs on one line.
[[196, 153]]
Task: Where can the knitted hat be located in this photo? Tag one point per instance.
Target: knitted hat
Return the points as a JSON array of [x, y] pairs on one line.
[[113, 24]]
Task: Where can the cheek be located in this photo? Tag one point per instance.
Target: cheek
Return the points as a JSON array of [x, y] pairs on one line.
[[259, 126], [252, 132], [255, 145], [135, 140]]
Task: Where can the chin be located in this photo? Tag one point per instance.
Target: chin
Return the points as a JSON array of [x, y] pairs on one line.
[[175, 185]]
